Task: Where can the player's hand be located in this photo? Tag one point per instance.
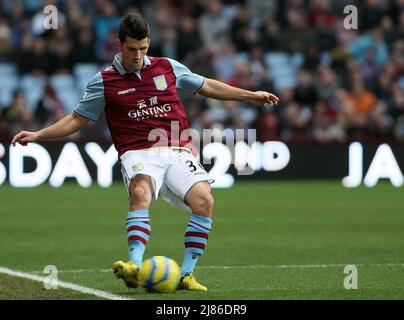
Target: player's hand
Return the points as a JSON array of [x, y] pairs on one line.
[[264, 99], [24, 137]]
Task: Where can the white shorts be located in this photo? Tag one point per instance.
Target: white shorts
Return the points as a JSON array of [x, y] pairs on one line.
[[173, 172]]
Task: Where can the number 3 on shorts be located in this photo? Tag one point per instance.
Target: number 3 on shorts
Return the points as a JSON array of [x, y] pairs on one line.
[[192, 166]]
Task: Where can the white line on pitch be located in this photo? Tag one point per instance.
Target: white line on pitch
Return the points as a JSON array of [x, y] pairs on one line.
[[67, 285], [281, 266], [303, 266]]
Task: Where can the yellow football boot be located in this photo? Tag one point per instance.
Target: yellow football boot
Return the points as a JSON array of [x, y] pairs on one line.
[[188, 282], [127, 271]]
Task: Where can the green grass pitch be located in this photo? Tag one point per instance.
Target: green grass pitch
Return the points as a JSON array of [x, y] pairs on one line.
[[270, 240]]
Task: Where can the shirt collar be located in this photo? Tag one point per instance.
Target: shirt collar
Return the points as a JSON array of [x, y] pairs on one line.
[[117, 63]]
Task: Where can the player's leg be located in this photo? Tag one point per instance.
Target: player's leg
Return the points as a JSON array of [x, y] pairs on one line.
[[138, 229], [200, 200], [138, 221], [189, 187], [143, 174]]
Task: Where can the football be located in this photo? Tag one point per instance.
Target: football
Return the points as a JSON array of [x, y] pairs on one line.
[[159, 274]]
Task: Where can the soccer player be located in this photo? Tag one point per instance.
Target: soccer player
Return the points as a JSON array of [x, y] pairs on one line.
[[138, 94]]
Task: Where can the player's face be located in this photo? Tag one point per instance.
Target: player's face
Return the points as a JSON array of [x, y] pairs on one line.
[[133, 52]]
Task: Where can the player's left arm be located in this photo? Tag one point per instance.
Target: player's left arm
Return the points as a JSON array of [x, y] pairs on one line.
[[195, 83], [218, 90]]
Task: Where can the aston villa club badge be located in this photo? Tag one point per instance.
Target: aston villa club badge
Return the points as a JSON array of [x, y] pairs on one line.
[[160, 82]]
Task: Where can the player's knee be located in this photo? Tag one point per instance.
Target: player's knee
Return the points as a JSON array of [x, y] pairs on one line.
[[203, 205], [139, 198]]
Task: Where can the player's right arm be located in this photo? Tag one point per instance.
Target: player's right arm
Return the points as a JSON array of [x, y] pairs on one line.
[[61, 129], [89, 108]]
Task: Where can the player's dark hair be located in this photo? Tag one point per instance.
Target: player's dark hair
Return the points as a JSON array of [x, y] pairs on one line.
[[134, 26]]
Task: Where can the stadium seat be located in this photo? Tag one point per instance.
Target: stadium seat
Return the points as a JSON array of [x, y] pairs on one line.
[[297, 60], [62, 81], [8, 85], [274, 59], [283, 69], [33, 88], [285, 83], [7, 69], [242, 56], [69, 99], [66, 90], [401, 82], [83, 72]]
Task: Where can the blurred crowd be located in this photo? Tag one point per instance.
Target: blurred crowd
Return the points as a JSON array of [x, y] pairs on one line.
[[336, 84]]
